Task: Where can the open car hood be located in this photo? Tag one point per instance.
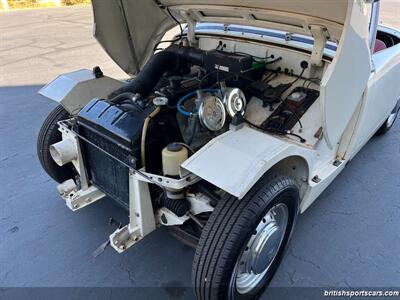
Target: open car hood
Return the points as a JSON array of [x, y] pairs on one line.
[[129, 29]]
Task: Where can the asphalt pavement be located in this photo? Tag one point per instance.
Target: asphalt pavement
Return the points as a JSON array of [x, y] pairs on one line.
[[349, 238]]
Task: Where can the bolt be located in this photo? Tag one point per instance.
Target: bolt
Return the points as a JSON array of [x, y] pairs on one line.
[[115, 242], [316, 179], [122, 247], [135, 238]]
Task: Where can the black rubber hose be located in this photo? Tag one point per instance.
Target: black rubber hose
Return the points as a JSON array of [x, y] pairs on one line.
[[120, 97], [169, 60]]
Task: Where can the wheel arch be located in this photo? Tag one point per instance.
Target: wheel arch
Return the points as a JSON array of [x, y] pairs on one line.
[[296, 167]]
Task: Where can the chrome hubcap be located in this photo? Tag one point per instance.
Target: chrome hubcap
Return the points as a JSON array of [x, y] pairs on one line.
[[261, 249]]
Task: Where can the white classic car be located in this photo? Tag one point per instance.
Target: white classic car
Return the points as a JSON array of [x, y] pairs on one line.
[[227, 132]]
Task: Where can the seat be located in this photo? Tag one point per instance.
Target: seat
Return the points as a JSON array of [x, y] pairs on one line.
[[379, 46]]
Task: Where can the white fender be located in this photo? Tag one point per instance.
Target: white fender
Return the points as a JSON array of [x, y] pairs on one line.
[[75, 89], [235, 160]]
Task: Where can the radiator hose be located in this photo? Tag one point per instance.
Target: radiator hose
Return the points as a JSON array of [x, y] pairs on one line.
[[168, 60]]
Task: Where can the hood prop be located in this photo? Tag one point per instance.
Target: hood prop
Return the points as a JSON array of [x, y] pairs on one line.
[[321, 35]]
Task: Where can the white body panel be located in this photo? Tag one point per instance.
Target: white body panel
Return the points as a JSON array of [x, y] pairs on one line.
[[234, 161], [381, 97], [75, 89]]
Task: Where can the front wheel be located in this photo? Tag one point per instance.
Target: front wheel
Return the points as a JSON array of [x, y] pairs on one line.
[[243, 242], [48, 135]]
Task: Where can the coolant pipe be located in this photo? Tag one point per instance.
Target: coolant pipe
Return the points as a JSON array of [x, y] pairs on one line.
[[124, 96], [144, 133], [169, 60]]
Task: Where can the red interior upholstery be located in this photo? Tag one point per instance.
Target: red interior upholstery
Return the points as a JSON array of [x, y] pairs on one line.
[[379, 46]]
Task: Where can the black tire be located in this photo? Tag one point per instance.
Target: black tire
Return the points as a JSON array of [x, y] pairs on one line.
[[389, 122], [48, 135], [227, 232]]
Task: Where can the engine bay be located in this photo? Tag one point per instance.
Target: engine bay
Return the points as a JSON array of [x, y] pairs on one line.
[[182, 99]]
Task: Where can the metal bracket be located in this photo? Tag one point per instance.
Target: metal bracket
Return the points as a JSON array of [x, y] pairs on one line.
[[87, 194], [168, 218], [141, 216], [320, 35], [199, 203], [191, 25], [78, 163], [77, 199], [168, 182], [337, 163]]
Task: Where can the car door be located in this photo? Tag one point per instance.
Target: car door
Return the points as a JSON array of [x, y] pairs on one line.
[[382, 93]]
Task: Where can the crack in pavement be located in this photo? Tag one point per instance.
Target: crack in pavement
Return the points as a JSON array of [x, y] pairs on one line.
[[340, 213], [8, 157], [290, 252], [291, 277], [125, 267], [5, 275], [347, 283]]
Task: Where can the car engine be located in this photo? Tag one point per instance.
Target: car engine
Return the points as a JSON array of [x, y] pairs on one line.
[[181, 99]]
